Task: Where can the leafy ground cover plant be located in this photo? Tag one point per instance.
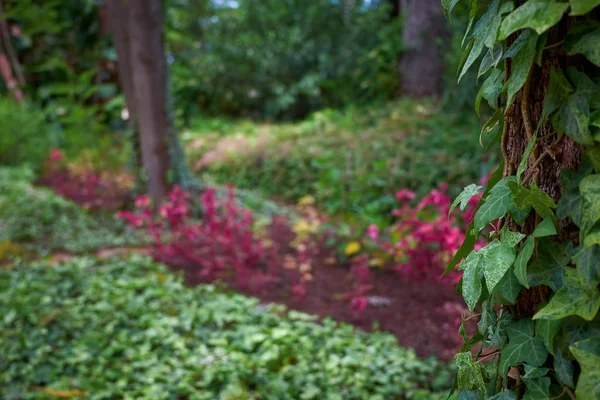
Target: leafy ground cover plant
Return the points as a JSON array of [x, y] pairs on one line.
[[44, 221], [352, 162], [127, 328], [535, 283]]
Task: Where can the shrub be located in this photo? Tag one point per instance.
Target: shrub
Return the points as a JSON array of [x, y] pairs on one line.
[[47, 221], [129, 329]]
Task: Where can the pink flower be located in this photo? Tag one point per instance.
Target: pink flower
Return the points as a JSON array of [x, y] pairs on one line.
[[404, 194], [142, 201], [373, 231], [56, 155], [358, 304]]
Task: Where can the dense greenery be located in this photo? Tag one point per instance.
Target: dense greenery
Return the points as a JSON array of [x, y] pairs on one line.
[[45, 221], [352, 162], [129, 329], [281, 59], [553, 350]]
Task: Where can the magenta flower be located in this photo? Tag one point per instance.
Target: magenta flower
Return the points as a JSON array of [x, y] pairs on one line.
[[373, 231]]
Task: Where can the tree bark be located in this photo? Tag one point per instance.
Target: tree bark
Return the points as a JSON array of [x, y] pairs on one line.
[[425, 31], [137, 29]]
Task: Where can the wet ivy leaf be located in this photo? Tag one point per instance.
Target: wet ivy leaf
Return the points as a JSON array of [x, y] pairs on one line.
[[583, 38], [464, 197], [523, 346], [537, 388], [547, 329], [574, 298], [545, 228], [588, 266], [558, 92], [471, 280], [587, 353], [539, 15], [590, 202], [563, 368], [470, 374], [570, 202], [534, 196], [521, 64], [581, 7], [509, 287]]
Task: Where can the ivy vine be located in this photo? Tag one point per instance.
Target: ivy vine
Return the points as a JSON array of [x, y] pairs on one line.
[[534, 286]]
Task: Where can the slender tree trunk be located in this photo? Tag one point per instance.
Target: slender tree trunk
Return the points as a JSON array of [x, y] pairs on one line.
[[138, 36], [422, 65]]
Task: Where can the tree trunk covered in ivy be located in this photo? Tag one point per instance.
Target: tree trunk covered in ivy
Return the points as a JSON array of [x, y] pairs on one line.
[[521, 120], [422, 64]]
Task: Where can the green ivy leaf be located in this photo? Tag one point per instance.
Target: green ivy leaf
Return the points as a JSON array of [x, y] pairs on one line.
[[490, 59], [574, 298], [588, 266], [522, 346], [509, 287], [448, 6], [470, 374], [590, 202], [469, 342], [573, 118], [583, 38], [464, 197], [537, 388], [510, 238], [526, 154], [581, 7], [497, 204], [488, 317], [570, 202], [558, 92], [534, 196], [545, 228], [549, 266], [496, 261], [547, 329], [540, 15], [563, 368], [521, 64], [505, 394], [532, 372], [587, 352], [490, 90], [497, 335], [593, 154], [471, 280]]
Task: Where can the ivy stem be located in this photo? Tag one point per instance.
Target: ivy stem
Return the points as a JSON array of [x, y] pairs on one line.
[[488, 355], [532, 169], [554, 45], [525, 112]]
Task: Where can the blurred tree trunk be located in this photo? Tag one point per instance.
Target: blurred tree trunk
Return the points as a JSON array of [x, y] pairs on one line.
[[425, 31], [137, 28], [10, 69]]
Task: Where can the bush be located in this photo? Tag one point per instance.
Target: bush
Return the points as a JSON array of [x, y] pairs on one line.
[[351, 162], [46, 221], [24, 134], [128, 329]]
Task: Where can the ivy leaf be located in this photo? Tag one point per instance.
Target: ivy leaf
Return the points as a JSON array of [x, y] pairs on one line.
[[581, 7], [532, 372], [470, 374], [505, 394], [588, 266], [497, 204], [563, 368], [490, 90], [574, 298], [558, 92], [510, 238], [464, 197], [490, 59], [534, 196], [583, 38], [526, 154], [471, 280], [469, 342], [522, 346], [590, 202], [575, 329], [448, 6], [488, 317], [573, 118], [496, 261], [537, 388], [521, 64], [570, 202], [540, 15], [549, 266], [497, 335], [587, 353], [547, 329], [509, 287], [545, 228]]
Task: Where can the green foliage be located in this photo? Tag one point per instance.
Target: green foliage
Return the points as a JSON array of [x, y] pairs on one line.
[[351, 162], [130, 329], [281, 59], [46, 221], [24, 134], [554, 348]]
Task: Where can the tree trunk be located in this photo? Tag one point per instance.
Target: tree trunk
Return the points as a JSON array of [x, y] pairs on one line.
[[137, 29], [425, 31]]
